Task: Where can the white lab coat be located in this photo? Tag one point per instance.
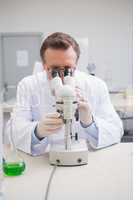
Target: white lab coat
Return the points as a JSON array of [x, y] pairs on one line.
[[34, 100]]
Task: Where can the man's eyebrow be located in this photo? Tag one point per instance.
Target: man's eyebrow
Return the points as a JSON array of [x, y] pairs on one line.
[[57, 66], [67, 66]]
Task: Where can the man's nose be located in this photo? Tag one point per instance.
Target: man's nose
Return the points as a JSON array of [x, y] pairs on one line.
[[61, 74]]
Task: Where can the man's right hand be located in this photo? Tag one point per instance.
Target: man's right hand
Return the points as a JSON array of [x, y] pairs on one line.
[[49, 125]]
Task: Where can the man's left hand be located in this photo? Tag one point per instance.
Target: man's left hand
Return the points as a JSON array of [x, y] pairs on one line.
[[84, 108]]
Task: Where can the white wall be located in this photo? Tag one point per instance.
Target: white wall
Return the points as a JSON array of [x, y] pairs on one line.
[[107, 23]]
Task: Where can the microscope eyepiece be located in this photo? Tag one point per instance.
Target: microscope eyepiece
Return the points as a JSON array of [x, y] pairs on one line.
[[59, 72], [67, 72], [54, 73]]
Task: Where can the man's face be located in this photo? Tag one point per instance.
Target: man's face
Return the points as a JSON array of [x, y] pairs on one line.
[[59, 59]]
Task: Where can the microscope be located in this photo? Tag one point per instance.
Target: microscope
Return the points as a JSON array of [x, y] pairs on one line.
[[73, 151]]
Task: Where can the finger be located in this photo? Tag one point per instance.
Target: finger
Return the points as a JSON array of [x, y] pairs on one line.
[[79, 96], [52, 121], [52, 129], [77, 87], [79, 92], [82, 104], [53, 115]]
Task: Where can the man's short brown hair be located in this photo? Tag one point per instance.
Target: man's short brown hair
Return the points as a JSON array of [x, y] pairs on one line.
[[59, 40]]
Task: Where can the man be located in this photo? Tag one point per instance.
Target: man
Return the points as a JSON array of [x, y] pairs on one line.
[[36, 122]]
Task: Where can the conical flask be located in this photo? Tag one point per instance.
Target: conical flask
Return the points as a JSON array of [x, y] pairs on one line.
[[13, 164]]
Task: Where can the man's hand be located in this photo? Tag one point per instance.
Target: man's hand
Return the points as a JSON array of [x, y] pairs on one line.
[[49, 125], [84, 108]]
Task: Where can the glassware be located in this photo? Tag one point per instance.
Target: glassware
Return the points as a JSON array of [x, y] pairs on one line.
[[2, 185], [1, 143], [13, 164]]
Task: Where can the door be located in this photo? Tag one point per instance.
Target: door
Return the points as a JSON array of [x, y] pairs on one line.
[[19, 53]]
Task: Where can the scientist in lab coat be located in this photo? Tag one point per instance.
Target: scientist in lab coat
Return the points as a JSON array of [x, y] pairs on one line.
[[37, 125]]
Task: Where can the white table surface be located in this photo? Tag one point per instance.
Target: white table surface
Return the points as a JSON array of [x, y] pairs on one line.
[[108, 176]]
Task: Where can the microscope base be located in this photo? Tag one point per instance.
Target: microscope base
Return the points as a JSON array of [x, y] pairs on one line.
[[77, 155]]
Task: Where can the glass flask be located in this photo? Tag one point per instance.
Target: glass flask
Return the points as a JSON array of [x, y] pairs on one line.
[[1, 143], [13, 164], [2, 185]]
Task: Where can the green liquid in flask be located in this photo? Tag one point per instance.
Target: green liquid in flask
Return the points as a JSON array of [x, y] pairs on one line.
[[13, 168]]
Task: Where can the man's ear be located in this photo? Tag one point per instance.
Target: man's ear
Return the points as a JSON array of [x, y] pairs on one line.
[[44, 66]]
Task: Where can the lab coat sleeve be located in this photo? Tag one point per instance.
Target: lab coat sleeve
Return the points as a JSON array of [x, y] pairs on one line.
[[108, 124], [91, 132], [38, 146], [23, 122]]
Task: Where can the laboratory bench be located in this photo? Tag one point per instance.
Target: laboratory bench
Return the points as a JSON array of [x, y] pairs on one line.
[[108, 176]]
